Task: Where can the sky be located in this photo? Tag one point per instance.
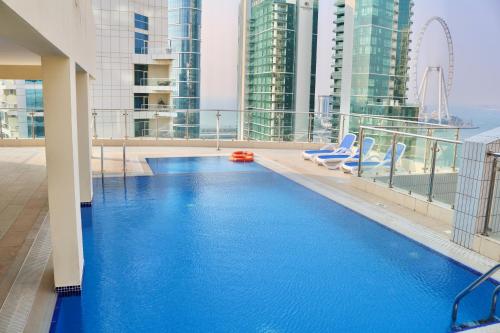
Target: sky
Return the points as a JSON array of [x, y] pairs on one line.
[[475, 31]]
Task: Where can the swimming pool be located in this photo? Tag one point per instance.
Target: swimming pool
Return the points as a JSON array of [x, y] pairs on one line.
[[206, 245]]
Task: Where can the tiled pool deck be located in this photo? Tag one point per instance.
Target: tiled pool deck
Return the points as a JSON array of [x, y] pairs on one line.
[[23, 205]]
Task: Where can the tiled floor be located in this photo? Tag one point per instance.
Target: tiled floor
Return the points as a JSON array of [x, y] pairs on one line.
[[23, 204]]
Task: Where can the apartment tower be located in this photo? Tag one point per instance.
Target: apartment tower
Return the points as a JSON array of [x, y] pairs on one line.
[[184, 29], [147, 67], [370, 58], [277, 68]]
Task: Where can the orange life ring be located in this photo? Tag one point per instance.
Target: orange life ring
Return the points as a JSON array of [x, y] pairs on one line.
[[241, 156]]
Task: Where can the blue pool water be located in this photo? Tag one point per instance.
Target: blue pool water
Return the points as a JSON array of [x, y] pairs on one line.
[[206, 245]]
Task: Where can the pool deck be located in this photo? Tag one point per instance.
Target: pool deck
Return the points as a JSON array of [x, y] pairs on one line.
[[23, 207]]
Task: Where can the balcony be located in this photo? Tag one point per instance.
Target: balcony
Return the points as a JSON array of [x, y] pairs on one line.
[[154, 85], [152, 56], [164, 53]]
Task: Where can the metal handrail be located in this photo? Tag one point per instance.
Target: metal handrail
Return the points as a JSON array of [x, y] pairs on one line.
[[411, 135], [320, 132], [493, 307], [401, 119], [468, 290], [491, 190]]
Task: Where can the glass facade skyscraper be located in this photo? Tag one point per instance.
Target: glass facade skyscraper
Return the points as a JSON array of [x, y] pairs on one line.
[[275, 38], [184, 30], [380, 32]]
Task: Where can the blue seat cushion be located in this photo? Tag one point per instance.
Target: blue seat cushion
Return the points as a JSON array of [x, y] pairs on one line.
[[325, 157], [355, 164], [318, 151]]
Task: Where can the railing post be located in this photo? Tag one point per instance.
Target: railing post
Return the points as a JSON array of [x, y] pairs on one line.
[[124, 160], [102, 160], [433, 170], [361, 139], [248, 124], [427, 148], [32, 114], [393, 160], [1, 125], [280, 129], [455, 153], [310, 127], [157, 126], [491, 190], [186, 125], [126, 124], [342, 128], [94, 120], [217, 128]]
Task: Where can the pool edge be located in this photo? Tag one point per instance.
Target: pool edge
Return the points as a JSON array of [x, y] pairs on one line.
[[417, 233]]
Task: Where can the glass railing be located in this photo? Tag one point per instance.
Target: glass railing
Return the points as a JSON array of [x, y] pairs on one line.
[[427, 167], [161, 121], [155, 81], [21, 123], [418, 164]]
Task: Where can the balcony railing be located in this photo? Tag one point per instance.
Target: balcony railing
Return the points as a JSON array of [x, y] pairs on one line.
[[161, 53], [159, 82]]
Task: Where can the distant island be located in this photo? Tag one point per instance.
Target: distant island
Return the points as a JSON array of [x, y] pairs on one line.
[[455, 121]]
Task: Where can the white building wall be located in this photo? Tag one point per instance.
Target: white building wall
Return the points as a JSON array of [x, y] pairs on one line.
[[113, 89]]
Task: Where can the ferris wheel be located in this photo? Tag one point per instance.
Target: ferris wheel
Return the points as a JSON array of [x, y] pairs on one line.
[[444, 83]]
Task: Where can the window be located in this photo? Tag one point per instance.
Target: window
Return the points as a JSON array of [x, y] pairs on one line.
[[141, 127], [141, 101], [34, 99], [141, 43], [141, 21], [140, 74]]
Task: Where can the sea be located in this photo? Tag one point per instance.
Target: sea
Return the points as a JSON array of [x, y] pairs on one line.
[[482, 118]]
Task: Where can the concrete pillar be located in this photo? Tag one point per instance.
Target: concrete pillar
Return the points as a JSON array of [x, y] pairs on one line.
[[59, 96], [346, 78], [303, 53], [472, 192], [83, 115]]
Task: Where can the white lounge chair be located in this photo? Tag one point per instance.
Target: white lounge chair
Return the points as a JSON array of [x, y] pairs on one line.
[[372, 164], [344, 147], [333, 161]]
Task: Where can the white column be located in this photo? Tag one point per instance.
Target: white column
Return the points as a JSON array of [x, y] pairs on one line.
[[473, 190], [303, 51], [345, 88], [83, 113], [59, 96], [244, 16]]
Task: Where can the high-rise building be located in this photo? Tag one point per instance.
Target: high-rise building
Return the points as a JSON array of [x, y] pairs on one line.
[[184, 29], [370, 58], [147, 61], [278, 47]]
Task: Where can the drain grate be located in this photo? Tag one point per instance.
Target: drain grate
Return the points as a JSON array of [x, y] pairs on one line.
[[15, 310]]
